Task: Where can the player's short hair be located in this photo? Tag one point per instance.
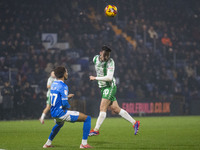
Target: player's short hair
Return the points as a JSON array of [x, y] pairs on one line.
[[59, 71], [106, 48]]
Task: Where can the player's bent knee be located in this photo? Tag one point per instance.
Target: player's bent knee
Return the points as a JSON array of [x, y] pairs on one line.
[[116, 109], [88, 119], [82, 117]]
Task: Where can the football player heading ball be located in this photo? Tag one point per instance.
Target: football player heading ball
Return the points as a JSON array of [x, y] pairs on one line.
[[105, 68]]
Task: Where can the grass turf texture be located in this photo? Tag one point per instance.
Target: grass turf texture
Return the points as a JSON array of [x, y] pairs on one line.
[[171, 133]]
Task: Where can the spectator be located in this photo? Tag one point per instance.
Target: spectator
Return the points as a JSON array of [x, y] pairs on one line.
[[3, 47], [152, 33], [140, 92], [166, 41], [17, 100], [7, 93], [131, 94], [27, 98], [189, 70]]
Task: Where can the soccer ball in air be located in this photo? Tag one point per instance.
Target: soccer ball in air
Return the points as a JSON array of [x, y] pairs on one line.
[[110, 10]]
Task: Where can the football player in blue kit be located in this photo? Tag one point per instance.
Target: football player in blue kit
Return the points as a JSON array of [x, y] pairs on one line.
[[59, 109]]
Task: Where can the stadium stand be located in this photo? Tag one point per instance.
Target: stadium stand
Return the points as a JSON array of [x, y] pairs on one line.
[[146, 68]]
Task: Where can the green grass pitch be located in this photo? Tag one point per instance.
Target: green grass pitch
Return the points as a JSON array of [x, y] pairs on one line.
[[168, 133]]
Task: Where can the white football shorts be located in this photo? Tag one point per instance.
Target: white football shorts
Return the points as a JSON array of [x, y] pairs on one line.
[[70, 116]]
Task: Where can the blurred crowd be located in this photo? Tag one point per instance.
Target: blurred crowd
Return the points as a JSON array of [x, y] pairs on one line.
[[163, 65]]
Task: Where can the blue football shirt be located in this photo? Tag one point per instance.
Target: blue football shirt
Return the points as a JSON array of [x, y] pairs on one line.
[[59, 99]]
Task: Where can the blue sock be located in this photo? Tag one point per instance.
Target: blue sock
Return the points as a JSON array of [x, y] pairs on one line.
[[86, 127], [55, 130]]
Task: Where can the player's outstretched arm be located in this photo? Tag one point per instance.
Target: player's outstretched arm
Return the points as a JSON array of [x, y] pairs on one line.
[[108, 77], [92, 78], [70, 96]]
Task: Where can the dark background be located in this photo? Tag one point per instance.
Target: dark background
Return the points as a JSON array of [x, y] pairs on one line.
[[147, 70]]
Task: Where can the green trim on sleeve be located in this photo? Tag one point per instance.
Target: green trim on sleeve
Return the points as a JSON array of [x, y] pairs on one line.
[[95, 59]]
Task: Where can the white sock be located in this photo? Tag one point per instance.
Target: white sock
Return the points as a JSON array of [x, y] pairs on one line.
[[126, 116], [101, 118], [48, 142], [43, 116], [84, 142]]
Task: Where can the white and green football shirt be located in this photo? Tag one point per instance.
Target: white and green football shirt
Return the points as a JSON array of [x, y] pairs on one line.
[[102, 69], [49, 82]]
